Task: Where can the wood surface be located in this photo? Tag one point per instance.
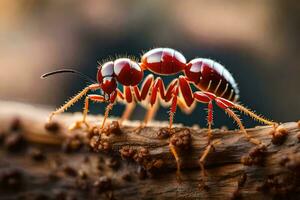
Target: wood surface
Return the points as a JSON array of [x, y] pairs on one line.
[[46, 161]]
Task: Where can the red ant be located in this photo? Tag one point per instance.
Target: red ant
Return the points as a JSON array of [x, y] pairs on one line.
[[213, 81]]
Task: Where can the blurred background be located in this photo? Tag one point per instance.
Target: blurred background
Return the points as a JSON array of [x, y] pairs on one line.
[[257, 41]]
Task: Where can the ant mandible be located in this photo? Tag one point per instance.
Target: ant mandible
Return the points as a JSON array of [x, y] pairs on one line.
[[213, 81]]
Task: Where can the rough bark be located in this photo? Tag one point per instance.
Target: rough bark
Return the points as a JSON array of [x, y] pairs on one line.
[[39, 162]]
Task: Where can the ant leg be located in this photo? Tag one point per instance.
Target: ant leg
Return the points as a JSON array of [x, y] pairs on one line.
[[127, 112], [209, 135], [107, 110], [183, 107], [186, 91], [142, 94], [95, 98], [156, 87], [199, 96], [208, 148], [151, 112], [171, 146], [174, 152], [239, 122], [254, 116], [126, 97], [77, 124], [173, 108], [209, 120], [204, 98], [129, 106], [202, 159], [73, 100], [226, 105]]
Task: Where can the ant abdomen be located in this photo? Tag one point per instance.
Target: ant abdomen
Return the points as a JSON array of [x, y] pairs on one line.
[[209, 75]]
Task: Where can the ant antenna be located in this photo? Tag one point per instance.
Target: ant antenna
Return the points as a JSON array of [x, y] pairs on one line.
[[83, 76]]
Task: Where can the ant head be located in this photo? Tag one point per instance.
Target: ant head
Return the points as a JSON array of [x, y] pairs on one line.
[[106, 77], [123, 70], [128, 72]]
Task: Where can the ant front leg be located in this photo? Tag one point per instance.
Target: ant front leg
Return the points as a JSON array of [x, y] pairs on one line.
[[78, 124], [112, 99], [107, 110], [73, 100]]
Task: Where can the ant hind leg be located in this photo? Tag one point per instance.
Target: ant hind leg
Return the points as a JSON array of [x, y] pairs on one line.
[[254, 115], [226, 105], [239, 122]]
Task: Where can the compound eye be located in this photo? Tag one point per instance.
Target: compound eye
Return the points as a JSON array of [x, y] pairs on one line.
[[127, 72], [109, 85]]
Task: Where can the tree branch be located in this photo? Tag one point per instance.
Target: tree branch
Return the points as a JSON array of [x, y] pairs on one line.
[[135, 164]]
